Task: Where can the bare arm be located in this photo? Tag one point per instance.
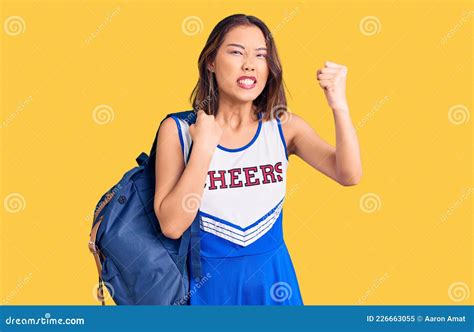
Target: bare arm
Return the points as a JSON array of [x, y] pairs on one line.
[[341, 163], [178, 189], [348, 163]]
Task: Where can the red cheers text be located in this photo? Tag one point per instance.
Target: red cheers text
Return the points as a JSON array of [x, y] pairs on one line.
[[245, 177]]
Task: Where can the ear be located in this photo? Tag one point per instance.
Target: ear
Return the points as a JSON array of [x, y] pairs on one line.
[[211, 67]]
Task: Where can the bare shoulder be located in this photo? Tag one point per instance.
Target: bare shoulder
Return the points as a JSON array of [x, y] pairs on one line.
[[167, 126], [168, 133], [291, 124], [169, 159]]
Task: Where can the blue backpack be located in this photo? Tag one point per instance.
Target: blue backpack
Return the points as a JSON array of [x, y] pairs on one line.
[[135, 261]]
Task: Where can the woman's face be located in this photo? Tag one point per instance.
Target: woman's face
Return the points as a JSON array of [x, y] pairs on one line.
[[240, 65]]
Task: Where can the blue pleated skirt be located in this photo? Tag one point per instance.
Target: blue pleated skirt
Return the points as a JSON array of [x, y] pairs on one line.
[[260, 279]]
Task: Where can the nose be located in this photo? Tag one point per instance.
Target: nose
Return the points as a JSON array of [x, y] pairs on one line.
[[248, 66]]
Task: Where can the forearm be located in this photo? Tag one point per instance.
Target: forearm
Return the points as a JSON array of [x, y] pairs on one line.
[[178, 209], [348, 163]]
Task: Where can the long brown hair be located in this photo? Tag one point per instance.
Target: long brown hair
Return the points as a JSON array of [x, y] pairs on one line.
[[205, 95]]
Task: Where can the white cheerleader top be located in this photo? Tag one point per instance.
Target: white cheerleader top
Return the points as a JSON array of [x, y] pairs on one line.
[[245, 188]]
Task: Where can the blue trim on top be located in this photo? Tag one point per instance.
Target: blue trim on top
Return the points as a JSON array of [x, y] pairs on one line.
[[210, 216], [248, 144], [282, 137], [180, 134]]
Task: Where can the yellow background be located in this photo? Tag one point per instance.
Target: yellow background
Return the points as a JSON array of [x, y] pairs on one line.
[[402, 236]]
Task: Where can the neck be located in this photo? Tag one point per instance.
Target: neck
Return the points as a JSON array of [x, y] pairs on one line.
[[235, 115]]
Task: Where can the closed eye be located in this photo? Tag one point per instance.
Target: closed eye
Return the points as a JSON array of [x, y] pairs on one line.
[[258, 55]]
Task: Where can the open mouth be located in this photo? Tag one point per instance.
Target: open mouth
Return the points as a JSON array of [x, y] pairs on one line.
[[247, 82]]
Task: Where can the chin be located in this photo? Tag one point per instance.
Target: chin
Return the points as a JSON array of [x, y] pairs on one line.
[[246, 96]]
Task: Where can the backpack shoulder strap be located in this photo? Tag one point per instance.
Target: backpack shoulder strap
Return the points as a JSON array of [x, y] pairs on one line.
[[188, 116]]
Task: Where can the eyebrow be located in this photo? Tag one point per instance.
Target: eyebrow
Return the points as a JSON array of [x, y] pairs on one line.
[[257, 49]]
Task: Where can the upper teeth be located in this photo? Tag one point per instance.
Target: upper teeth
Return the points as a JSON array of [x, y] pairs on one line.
[[247, 81]]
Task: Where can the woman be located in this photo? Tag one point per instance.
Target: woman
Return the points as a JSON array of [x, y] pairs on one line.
[[242, 139]]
